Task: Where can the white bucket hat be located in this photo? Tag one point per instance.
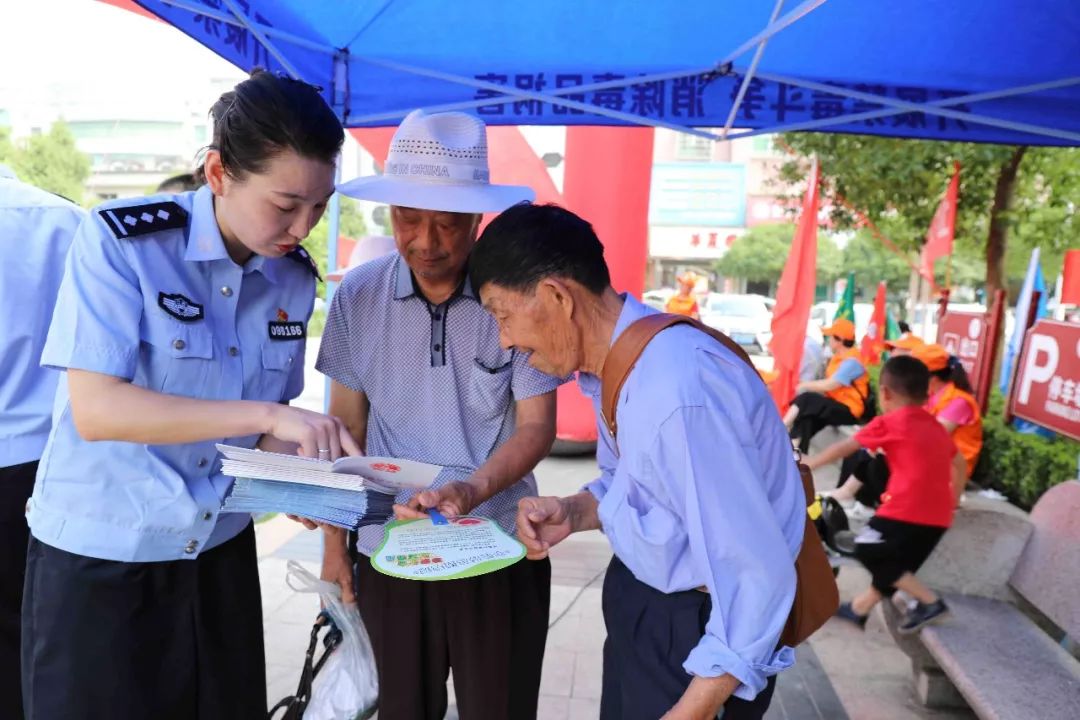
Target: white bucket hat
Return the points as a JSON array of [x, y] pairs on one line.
[[438, 162]]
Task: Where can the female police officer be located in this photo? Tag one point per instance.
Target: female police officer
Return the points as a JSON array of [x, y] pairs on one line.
[[180, 323]]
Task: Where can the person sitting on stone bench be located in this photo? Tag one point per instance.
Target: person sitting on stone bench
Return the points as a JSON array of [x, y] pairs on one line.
[[916, 508], [838, 399], [863, 476]]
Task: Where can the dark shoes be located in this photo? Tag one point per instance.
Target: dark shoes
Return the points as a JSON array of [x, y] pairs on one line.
[[922, 615], [845, 612]]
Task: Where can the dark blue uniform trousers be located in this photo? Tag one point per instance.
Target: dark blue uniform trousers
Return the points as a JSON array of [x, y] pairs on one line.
[[175, 640], [650, 634]]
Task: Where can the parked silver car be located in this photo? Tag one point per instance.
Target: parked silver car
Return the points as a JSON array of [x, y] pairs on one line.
[[746, 319]]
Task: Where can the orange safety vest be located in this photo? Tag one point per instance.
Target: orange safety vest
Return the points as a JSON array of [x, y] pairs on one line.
[[679, 305], [853, 396], [968, 438]]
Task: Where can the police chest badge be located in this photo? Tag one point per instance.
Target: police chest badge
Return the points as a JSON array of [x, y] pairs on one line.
[[282, 329], [182, 308]]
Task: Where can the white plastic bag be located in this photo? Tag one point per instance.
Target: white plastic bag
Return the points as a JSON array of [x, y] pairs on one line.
[[347, 686]]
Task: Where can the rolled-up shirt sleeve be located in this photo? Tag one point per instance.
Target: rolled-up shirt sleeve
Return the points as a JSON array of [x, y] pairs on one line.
[[743, 554]]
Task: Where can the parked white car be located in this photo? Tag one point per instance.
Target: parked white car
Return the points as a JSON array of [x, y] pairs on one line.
[[746, 319], [657, 298]]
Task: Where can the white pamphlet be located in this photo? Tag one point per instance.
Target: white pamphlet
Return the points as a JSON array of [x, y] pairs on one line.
[[386, 475]]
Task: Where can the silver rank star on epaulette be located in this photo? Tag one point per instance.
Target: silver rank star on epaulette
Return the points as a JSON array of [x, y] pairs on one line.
[[302, 256], [135, 220]]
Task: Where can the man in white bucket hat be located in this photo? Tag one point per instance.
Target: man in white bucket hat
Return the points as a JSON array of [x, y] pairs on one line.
[[418, 372]]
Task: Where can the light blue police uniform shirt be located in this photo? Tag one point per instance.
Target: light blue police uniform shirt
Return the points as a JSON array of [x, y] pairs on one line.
[[36, 228], [155, 299], [441, 389], [702, 491]]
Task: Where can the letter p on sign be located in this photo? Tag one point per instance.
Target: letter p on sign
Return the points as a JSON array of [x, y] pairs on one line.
[[1035, 371]]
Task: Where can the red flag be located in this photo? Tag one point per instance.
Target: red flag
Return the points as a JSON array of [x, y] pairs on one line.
[[794, 297], [939, 239], [874, 340]]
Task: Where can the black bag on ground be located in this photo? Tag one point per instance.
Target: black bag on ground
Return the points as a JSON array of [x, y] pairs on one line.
[[295, 705]]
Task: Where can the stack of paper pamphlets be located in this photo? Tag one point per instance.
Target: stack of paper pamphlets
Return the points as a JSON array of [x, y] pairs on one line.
[[348, 493]]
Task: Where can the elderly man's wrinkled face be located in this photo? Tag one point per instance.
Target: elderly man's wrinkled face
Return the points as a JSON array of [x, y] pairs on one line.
[[538, 323], [435, 245]]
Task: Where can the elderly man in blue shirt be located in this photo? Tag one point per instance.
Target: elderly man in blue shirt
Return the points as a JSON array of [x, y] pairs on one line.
[[36, 228], [699, 498]]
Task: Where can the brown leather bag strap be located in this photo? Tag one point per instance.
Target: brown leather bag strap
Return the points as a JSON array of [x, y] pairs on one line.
[[627, 349]]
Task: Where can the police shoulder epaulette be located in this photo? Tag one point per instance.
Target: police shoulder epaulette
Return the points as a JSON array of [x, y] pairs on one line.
[[134, 220], [302, 256]]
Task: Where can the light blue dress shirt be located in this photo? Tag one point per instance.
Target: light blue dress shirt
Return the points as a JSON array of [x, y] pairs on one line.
[[167, 309], [702, 491], [36, 228]]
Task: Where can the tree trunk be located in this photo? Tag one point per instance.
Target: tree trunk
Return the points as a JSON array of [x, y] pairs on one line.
[[997, 238]]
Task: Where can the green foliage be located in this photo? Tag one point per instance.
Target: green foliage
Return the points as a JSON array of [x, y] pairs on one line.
[[352, 225], [317, 323], [898, 184], [1021, 465], [7, 150], [760, 254], [50, 161], [872, 262]]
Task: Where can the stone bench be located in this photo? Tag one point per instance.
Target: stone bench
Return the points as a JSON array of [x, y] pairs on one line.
[[1002, 663], [998, 651]]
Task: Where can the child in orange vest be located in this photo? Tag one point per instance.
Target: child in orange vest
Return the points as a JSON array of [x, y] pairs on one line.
[[926, 478], [684, 302]]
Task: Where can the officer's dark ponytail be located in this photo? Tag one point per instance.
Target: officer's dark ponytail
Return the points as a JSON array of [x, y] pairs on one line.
[[266, 115]]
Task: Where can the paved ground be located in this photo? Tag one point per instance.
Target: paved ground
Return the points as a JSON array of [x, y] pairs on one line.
[[842, 673]]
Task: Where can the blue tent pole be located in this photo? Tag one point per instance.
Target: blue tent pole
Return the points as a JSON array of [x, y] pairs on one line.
[[749, 74], [339, 97], [230, 20], [262, 38]]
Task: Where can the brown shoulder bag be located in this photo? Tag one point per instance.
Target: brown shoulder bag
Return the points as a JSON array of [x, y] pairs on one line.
[[816, 595]]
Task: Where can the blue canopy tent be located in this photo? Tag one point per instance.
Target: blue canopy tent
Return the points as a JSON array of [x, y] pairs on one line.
[[973, 70], [966, 70]]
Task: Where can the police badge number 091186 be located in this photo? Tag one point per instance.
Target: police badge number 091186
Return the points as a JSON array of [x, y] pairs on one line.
[[284, 330]]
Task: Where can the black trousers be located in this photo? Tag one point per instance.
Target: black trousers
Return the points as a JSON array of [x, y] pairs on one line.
[[177, 640], [650, 634], [490, 629], [16, 486], [871, 470], [817, 411], [903, 548]]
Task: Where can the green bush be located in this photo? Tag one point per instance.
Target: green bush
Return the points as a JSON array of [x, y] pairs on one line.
[[1021, 465]]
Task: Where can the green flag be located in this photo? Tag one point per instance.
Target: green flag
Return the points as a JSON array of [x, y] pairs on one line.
[[892, 328], [846, 311]]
